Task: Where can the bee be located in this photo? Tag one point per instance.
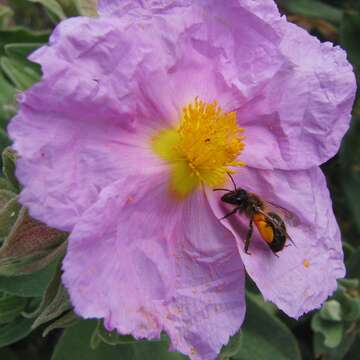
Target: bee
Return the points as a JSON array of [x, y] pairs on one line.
[[270, 225]]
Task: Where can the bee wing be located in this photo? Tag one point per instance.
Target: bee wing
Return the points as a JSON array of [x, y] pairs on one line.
[[288, 216]]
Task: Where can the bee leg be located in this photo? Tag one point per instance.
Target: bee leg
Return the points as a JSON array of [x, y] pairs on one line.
[[229, 214], [292, 241], [248, 237]]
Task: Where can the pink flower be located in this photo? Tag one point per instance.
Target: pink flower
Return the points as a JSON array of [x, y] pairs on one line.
[[140, 113]]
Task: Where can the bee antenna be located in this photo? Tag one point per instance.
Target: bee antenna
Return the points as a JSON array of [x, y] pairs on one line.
[[232, 180]]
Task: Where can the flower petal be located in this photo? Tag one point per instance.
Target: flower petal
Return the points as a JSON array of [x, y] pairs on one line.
[[75, 135], [209, 45], [305, 108], [147, 264], [292, 92], [89, 120], [304, 275], [121, 7], [92, 72]]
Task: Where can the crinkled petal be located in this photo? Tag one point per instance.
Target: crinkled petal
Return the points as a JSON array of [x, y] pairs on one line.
[[304, 275], [90, 77], [146, 263], [73, 131], [292, 92], [121, 7], [306, 108], [239, 54], [206, 43], [93, 99], [65, 163]]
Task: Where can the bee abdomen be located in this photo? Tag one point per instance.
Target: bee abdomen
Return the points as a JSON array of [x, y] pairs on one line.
[[265, 229], [278, 242]]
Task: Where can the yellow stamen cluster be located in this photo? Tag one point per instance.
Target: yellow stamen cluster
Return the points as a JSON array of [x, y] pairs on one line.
[[203, 147]]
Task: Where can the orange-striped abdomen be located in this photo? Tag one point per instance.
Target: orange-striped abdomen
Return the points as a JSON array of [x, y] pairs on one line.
[[264, 227]]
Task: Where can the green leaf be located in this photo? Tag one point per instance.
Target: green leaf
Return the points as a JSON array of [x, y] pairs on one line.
[[151, 350], [75, 344], [348, 296], [21, 50], [349, 35], [5, 185], [9, 166], [28, 285], [69, 7], [109, 337], [353, 265], [264, 336], [331, 311], [8, 216], [55, 10], [313, 9], [21, 35], [232, 348], [336, 353], [63, 322], [5, 15], [56, 301], [5, 197], [350, 169], [29, 264], [4, 139], [87, 7], [29, 236], [266, 305], [348, 283], [154, 350], [333, 339], [7, 102], [14, 331], [21, 72], [344, 347], [49, 294], [332, 332], [30, 246], [11, 307], [348, 250], [319, 348], [25, 265], [354, 349], [95, 340]]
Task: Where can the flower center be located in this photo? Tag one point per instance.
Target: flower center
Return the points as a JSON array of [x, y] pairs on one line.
[[203, 147]]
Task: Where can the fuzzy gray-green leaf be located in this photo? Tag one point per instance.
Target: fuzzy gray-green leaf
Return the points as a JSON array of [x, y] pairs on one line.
[[264, 336], [9, 165], [14, 331], [10, 307]]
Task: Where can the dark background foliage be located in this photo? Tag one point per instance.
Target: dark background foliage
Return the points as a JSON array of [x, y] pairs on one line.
[[36, 317]]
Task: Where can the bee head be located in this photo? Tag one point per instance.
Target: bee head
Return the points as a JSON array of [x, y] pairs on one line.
[[236, 197]]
